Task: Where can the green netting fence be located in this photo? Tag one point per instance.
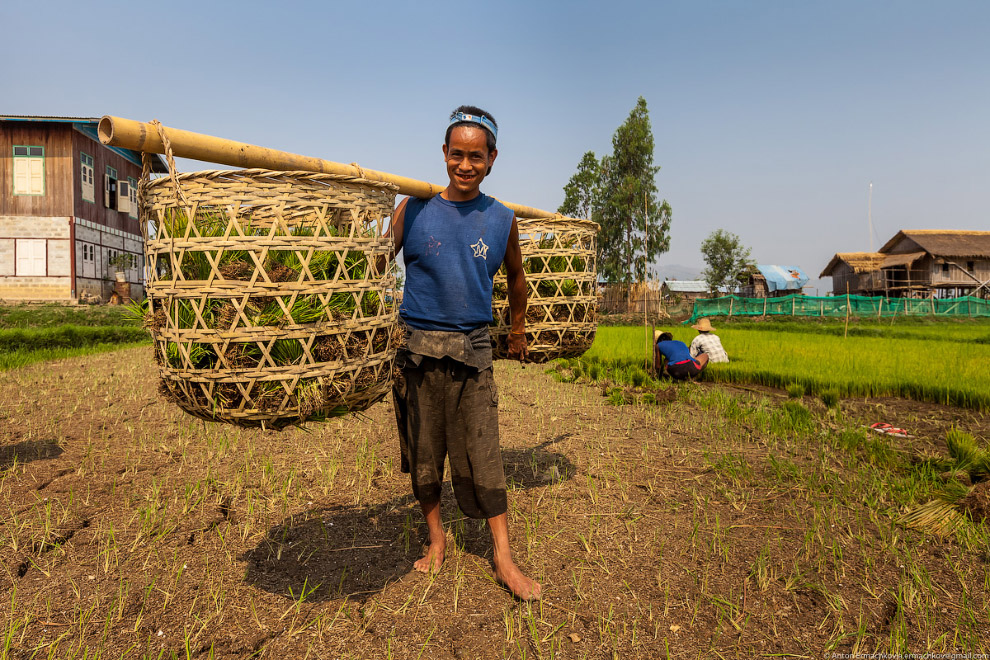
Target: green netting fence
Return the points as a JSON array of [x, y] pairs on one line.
[[837, 306]]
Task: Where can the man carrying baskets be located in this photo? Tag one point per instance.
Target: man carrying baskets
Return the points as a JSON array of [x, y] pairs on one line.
[[446, 401]]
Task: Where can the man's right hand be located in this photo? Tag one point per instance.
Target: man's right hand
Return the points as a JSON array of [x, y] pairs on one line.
[[518, 349]]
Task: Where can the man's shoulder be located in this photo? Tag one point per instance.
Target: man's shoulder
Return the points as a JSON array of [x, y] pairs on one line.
[[495, 207]]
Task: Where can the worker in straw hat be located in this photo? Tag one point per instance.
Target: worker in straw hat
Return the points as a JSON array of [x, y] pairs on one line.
[[674, 357], [707, 342], [446, 403]]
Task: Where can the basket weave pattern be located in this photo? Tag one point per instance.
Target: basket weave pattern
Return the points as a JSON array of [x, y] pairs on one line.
[[562, 307], [266, 302]]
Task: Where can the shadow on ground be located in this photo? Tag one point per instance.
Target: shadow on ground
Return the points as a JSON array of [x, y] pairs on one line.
[[337, 552], [28, 450], [340, 551], [536, 467]]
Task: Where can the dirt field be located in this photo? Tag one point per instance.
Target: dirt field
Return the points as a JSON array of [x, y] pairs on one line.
[[722, 524]]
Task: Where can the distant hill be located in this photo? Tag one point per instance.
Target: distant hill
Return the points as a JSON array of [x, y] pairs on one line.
[[679, 272]]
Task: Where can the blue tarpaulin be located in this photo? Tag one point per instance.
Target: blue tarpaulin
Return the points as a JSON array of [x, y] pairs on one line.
[[783, 278]]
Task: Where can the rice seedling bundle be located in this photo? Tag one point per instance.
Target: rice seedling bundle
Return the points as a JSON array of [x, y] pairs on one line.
[[270, 294], [562, 307]]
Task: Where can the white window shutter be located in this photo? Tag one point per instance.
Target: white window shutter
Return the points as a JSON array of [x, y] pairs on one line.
[[21, 176], [123, 197], [37, 185], [31, 257]]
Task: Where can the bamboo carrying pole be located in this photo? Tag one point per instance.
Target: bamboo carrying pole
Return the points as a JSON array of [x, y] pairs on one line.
[[142, 136]]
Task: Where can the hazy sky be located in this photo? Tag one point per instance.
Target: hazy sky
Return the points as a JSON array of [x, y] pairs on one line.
[[770, 118]]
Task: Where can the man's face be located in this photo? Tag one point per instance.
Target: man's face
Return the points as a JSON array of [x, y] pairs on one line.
[[468, 159]]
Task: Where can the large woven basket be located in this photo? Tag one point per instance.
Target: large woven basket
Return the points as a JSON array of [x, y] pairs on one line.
[[271, 294], [562, 309]]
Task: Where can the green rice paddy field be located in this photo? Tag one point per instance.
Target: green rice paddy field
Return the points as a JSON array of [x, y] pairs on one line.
[[942, 363]]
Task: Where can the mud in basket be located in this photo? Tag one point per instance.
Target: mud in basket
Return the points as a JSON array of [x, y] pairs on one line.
[[270, 294], [562, 309]]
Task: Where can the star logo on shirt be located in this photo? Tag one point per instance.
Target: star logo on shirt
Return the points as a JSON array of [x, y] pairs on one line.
[[480, 249]]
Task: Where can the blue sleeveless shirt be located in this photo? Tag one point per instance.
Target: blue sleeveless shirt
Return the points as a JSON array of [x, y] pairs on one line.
[[452, 251]]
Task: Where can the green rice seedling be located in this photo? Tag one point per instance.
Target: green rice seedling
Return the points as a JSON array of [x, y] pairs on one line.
[[595, 371], [830, 398], [964, 450], [286, 352], [637, 377], [795, 390], [649, 398], [854, 366]]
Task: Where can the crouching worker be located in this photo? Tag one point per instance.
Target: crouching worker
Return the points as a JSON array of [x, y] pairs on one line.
[[674, 357], [446, 403], [707, 343]]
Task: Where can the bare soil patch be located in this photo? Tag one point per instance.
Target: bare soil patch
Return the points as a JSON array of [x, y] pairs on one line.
[[715, 525]]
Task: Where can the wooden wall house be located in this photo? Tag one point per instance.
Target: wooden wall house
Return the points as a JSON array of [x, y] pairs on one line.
[[678, 290], [68, 211], [768, 281], [917, 264], [943, 263], [857, 273]]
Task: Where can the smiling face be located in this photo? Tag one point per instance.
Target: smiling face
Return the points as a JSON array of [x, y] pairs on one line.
[[468, 160]]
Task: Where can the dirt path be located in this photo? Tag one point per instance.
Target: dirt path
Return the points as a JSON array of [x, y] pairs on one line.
[[720, 525]]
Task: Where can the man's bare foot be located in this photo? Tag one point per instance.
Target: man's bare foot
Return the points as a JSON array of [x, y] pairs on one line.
[[509, 576], [433, 559]]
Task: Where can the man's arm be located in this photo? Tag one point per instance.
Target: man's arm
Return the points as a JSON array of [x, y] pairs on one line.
[[516, 277], [395, 229]]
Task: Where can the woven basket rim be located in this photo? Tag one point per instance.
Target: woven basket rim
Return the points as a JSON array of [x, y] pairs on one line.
[[260, 173], [559, 221]]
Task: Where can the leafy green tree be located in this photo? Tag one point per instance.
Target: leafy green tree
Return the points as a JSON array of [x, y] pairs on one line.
[[581, 194], [619, 192], [726, 259]]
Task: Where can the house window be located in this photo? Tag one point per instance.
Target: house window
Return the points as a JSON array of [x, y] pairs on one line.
[[87, 252], [945, 269], [132, 208], [86, 177], [110, 188], [29, 170], [970, 266], [32, 258]]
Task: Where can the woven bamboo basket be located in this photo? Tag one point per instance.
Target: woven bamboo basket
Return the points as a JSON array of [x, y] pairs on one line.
[[562, 309], [270, 294]]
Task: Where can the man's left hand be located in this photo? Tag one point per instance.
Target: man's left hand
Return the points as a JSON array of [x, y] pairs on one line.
[[517, 347]]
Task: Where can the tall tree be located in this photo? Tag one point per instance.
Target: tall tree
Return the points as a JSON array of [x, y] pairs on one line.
[[629, 198], [726, 258], [582, 192]]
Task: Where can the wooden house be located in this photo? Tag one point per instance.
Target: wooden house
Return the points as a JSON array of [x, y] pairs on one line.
[[917, 263], [767, 281], [68, 211], [677, 290]]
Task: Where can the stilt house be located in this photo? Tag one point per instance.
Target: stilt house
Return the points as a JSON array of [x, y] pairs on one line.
[[919, 263]]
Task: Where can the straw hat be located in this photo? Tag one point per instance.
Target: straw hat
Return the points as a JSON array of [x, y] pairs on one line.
[[656, 335], [703, 325]]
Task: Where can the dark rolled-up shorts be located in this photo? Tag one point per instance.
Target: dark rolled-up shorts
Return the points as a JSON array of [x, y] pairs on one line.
[[444, 408], [683, 370]]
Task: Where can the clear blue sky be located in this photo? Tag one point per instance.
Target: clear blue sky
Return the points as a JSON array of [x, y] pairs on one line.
[[770, 118]]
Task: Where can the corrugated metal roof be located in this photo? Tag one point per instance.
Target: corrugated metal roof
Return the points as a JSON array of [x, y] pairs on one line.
[[47, 118], [783, 278], [687, 286]]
